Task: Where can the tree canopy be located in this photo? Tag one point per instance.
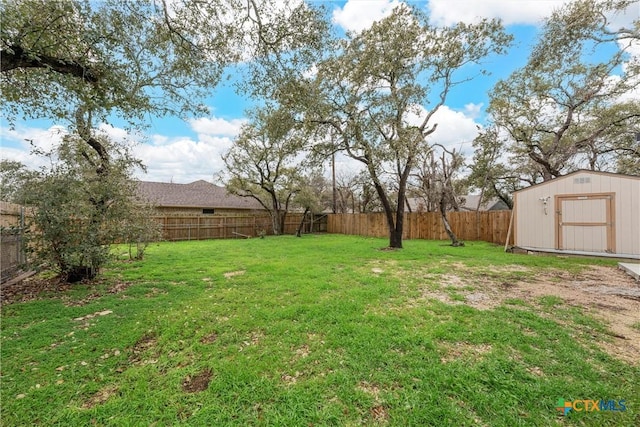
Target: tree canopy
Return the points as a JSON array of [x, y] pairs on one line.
[[133, 59], [571, 106], [265, 162], [378, 92]]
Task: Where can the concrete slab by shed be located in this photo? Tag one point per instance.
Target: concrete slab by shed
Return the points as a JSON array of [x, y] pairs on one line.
[[631, 269]]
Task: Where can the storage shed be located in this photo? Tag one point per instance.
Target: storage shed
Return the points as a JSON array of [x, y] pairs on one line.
[[584, 212]]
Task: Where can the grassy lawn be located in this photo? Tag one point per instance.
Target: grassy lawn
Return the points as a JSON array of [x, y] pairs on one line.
[[321, 330]]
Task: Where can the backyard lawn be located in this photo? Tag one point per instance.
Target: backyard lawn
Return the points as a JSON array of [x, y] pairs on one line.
[[326, 330]]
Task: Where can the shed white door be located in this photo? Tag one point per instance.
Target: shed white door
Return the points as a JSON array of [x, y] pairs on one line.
[[584, 222]]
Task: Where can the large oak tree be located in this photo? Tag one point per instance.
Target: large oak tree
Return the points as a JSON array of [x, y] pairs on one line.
[[378, 92], [572, 105]]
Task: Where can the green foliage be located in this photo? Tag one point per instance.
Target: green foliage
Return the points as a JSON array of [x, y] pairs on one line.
[[377, 92], [60, 55], [265, 162], [568, 108], [13, 176], [79, 210], [135, 58], [138, 229]]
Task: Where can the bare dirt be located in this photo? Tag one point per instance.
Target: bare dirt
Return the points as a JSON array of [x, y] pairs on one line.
[[606, 293], [100, 397], [37, 287], [198, 382]]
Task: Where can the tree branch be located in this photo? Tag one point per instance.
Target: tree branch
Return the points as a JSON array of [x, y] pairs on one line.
[[16, 57]]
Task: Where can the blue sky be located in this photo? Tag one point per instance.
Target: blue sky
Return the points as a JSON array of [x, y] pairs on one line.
[[185, 151]]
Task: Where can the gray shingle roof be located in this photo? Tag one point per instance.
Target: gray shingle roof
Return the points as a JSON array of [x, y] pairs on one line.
[[467, 203], [198, 194]]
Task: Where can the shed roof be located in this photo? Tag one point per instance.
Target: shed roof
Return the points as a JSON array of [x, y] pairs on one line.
[[198, 194], [587, 171]]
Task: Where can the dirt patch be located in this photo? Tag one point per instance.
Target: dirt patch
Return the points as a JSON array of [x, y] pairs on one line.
[[371, 389], [607, 293], [92, 315], [291, 379], [37, 287], [379, 413], [31, 289], [145, 343], [254, 339], [463, 350], [209, 339], [155, 292], [100, 397], [231, 274], [302, 352], [198, 382]]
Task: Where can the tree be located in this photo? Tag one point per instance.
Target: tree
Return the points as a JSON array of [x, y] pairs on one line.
[[79, 211], [490, 174], [566, 109], [89, 62], [378, 92], [311, 197], [13, 176], [265, 162], [133, 59], [436, 180]]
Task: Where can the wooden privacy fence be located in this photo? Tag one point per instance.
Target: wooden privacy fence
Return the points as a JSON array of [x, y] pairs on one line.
[[12, 257], [489, 226], [202, 227]]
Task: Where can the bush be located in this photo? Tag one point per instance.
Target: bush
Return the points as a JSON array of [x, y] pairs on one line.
[[82, 206]]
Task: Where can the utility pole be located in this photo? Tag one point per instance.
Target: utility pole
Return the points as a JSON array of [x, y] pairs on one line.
[[333, 175]]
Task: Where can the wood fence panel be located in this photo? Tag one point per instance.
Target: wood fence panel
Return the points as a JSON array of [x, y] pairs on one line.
[[490, 226], [12, 215], [204, 227]]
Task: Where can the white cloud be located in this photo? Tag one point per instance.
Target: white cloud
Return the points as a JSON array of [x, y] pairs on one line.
[[448, 12], [473, 110], [216, 126], [183, 160], [179, 159], [357, 15], [18, 143], [455, 130], [624, 18], [117, 134]]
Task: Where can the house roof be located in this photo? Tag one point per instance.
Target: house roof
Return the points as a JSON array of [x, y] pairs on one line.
[[467, 203], [198, 194]]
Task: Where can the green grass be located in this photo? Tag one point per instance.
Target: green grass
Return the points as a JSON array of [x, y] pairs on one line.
[[321, 330]]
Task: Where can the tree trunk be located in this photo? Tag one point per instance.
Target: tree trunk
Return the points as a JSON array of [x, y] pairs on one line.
[[79, 273], [276, 214], [395, 220], [283, 217], [395, 238], [299, 231], [275, 223], [447, 227]]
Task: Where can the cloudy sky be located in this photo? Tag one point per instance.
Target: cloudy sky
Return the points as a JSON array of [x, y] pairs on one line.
[[182, 152]]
